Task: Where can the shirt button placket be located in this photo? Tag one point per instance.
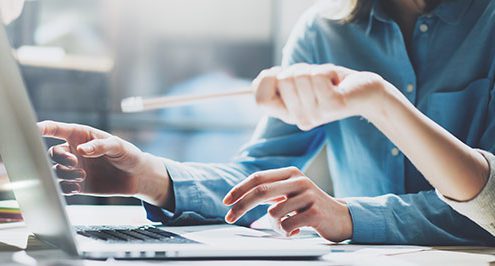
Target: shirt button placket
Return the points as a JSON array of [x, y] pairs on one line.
[[395, 152], [423, 28], [410, 88]]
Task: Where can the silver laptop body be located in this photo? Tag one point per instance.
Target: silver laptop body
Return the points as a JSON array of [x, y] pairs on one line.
[[43, 207]]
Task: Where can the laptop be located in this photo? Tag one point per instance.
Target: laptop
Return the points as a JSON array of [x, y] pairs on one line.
[[44, 211]]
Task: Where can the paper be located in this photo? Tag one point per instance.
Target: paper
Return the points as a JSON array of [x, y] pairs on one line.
[[9, 212]]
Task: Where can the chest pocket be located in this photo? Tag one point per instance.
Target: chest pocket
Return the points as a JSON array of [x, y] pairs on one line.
[[462, 113]]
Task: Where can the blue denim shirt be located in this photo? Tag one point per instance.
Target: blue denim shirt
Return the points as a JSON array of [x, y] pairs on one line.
[[448, 75]]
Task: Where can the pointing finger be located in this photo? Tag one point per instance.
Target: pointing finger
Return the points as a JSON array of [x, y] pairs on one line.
[[56, 130], [66, 131]]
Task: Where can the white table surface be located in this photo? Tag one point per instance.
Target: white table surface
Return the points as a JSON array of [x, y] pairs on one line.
[[15, 239]]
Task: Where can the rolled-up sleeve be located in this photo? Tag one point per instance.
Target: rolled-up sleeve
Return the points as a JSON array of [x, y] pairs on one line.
[[480, 209]]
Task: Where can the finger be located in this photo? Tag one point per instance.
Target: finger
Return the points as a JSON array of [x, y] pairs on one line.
[[111, 147], [266, 90], [275, 223], [56, 130], [335, 73], [295, 232], [305, 90], [70, 188], [290, 97], [277, 200], [297, 203], [323, 86], [297, 221], [69, 174], [257, 179], [65, 131], [267, 95], [61, 154], [261, 194]]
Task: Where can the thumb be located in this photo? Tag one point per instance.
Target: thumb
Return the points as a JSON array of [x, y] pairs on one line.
[[111, 147]]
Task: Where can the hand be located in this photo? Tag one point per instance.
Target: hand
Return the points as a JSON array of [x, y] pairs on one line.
[[312, 95], [95, 162], [299, 203]]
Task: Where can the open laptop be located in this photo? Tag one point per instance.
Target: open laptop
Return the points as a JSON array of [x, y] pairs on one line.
[[43, 206]]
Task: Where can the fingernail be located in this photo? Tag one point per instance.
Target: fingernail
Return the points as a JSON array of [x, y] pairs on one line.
[[229, 218], [88, 149], [74, 189], [228, 199], [293, 233]]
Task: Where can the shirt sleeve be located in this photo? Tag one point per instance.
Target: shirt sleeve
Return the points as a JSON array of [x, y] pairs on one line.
[[481, 209], [412, 219], [199, 188]]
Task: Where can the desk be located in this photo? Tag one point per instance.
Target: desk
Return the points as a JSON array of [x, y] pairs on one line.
[[14, 240]]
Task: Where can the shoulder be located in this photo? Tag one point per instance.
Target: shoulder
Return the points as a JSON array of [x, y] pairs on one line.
[[313, 32], [317, 19]]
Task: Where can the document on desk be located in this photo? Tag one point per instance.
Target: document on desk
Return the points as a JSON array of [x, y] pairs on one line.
[[386, 250], [225, 235], [242, 236]]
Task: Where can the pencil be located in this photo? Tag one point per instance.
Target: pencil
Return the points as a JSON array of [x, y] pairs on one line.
[[139, 104]]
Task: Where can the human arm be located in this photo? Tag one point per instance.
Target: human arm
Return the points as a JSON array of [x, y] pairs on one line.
[[176, 192], [312, 95], [420, 218], [352, 93], [94, 162]]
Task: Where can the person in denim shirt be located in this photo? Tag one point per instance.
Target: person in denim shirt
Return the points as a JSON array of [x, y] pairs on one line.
[[399, 95]]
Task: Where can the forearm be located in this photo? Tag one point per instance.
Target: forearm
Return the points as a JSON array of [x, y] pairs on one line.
[[455, 169], [197, 190]]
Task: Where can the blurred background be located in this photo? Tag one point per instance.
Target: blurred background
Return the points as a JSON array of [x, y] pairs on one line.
[[80, 58]]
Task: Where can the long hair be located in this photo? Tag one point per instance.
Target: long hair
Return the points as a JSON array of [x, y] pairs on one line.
[[355, 10], [345, 11], [360, 10]]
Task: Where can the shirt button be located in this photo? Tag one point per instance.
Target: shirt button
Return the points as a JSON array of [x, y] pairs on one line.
[[394, 152], [410, 88], [423, 28]]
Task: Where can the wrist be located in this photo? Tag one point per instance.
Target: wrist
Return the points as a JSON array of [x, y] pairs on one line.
[[345, 220], [384, 98], [154, 183]]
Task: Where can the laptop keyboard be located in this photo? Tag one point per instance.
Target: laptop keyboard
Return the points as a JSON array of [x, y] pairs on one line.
[[148, 234]]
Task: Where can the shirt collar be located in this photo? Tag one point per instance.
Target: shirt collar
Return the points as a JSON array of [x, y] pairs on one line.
[[377, 13], [450, 11]]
